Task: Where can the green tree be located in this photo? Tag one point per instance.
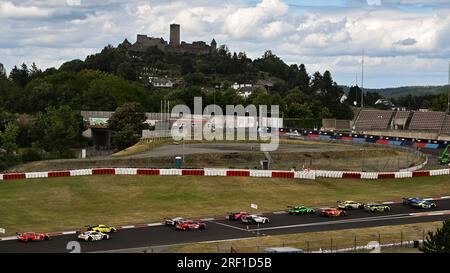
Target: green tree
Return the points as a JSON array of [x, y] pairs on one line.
[[439, 241], [354, 95], [9, 138], [128, 114], [127, 124], [20, 76], [58, 129], [73, 66], [295, 95], [187, 67], [299, 111], [124, 138], [126, 71]]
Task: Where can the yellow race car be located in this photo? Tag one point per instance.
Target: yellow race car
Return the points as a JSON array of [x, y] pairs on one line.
[[102, 229]]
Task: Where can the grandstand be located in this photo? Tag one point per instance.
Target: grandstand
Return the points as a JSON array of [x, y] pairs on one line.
[[427, 121], [373, 120], [430, 125], [445, 130]]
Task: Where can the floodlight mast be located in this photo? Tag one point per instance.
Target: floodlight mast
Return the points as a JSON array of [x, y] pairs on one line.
[[362, 81], [448, 93]]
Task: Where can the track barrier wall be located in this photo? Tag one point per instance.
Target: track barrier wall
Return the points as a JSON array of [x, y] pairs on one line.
[[305, 174]]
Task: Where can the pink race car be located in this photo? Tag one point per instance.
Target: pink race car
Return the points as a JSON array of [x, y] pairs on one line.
[[236, 216]]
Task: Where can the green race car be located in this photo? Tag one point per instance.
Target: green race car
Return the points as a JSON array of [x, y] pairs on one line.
[[300, 210], [376, 208]]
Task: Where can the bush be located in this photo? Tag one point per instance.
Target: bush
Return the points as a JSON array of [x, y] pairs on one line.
[[125, 138], [7, 160], [68, 154], [31, 154]]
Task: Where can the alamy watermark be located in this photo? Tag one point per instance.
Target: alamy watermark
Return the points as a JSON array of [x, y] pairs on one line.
[[238, 123]]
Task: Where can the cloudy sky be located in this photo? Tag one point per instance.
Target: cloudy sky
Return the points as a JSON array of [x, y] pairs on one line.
[[407, 42]]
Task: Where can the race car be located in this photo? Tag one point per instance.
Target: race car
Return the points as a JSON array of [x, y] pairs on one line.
[[349, 205], [190, 225], [410, 200], [376, 208], [254, 219], [173, 222], [300, 210], [237, 215], [419, 203], [102, 229], [332, 212], [90, 236], [32, 237]]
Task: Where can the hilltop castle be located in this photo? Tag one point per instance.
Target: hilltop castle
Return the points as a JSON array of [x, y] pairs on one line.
[[175, 44]]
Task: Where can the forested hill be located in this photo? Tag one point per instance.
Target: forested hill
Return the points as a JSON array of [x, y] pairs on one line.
[[396, 92], [112, 77]]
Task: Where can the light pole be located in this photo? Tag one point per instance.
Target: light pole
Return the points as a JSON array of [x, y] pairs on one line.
[[183, 147], [257, 237], [255, 206]]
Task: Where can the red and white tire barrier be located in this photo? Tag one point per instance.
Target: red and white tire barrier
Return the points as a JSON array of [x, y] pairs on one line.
[[162, 172], [313, 174], [380, 175]]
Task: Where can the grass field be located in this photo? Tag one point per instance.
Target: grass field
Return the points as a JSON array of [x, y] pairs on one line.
[[58, 204], [316, 241], [353, 159], [147, 145]]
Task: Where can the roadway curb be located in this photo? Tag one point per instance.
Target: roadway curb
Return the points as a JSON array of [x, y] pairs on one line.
[[54, 234]]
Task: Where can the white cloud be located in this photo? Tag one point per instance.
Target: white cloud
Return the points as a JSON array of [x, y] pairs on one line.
[[10, 10], [254, 22], [398, 42], [374, 2]]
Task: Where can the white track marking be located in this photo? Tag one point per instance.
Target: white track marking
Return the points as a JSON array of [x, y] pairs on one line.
[[356, 220], [154, 224], [230, 226], [127, 227]]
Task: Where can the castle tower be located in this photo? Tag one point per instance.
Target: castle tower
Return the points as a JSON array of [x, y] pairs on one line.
[[2, 70], [213, 44], [174, 34]]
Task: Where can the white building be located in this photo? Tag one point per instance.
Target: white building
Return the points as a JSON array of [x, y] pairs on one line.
[[160, 82], [237, 86]]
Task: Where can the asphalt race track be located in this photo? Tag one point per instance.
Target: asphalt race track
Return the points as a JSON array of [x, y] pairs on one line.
[[140, 238]]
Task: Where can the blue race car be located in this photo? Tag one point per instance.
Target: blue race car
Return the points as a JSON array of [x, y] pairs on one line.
[[419, 203]]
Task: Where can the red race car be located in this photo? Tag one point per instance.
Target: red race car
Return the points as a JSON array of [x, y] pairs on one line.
[[332, 212], [190, 225], [32, 236], [236, 216]]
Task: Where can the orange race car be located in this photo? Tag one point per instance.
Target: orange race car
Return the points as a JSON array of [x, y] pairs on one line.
[[332, 212]]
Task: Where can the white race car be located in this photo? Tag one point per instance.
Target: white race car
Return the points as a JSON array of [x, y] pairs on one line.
[[350, 205], [90, 236], [254, 219], [173, 222]]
